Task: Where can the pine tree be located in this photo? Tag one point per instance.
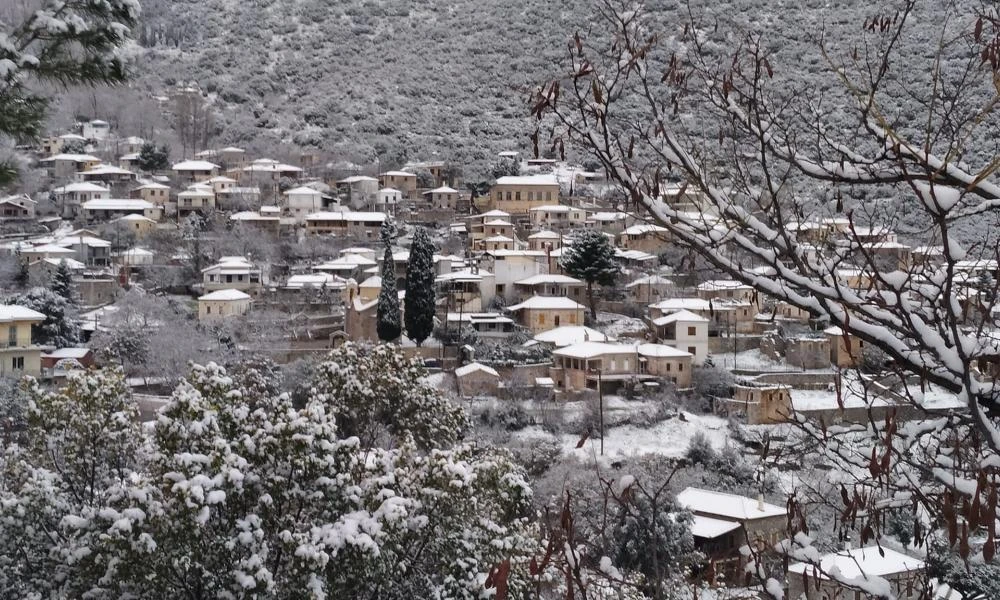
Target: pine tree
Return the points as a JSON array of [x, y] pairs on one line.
[[419, 302], [152, 158], [592, 259], [387, 322], [62, 282], [64, 43], [59, 328]]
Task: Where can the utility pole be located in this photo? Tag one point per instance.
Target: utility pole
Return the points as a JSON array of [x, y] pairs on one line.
[[600, 396]]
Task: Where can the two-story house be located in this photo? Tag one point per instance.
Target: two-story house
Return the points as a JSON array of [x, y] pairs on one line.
[[18, 353], [233, 272]]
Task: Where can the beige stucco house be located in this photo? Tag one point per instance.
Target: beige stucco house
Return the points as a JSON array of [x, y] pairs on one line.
[[223, 303], [18, 353]]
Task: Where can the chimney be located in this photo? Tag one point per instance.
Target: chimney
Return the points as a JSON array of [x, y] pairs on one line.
[[760, 502]]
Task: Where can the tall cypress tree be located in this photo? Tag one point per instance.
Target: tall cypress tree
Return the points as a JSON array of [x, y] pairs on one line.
[[387, 324], [420, 296]]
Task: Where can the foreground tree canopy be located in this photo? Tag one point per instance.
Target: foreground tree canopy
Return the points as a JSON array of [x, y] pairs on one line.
[[800, 188], [236, 493]]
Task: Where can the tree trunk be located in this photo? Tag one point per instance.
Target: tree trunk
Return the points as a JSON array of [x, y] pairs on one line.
[[590, 299]]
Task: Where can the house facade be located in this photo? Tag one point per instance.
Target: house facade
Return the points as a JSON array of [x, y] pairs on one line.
[[18, 353]]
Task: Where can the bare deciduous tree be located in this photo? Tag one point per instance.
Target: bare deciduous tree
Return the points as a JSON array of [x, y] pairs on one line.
[[786, 176]]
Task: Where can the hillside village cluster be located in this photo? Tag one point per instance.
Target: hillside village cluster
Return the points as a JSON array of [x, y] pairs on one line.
[[512, 323]]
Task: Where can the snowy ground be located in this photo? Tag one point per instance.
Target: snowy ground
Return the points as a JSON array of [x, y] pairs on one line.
[[668, 438], [615, 325], [755, 360]]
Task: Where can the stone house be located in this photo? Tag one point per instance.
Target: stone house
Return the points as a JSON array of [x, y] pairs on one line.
[[558, 217], [551, 285], [193, 171], [761, 404], [519, 194], [650, 289], [232, 272], [223, 303], [646, 237], [403, 181], [845, 349], [541, 313], [475, 379]]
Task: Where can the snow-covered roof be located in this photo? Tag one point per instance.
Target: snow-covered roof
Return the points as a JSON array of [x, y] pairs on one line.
[[117, 204], [197, 192], [78, 158], [717, 285], [234, 264], [303, 190], [48, 249], [397, 174], [561, 208], [356, 179], [491, 213], [225, 295], [644, 228], [544, 235], [81, 186], [195, 165], [685, 316], [345, 263], [85, 240], [637, 255], [592, 349], [608, 216], [528, 180], [473, 368], [728, 506], [674, 304], [862, 563], [346, 216], [549, 278], [650, 280], [269, 165], [220, 179], [567, 335], [304, 280], [498, 239], [661, 351], [461, 275], [152, 185], [251, 215], [13, 312], [135, 219], [136, 252], [490, 317], [60, 353], [547, 303], [709, 528], [372, 282], [71, 263], [443, 190], [498, 223], [106, 170]]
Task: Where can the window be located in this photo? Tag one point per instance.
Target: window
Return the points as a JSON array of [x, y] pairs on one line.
[[557, 321], [548, 196], [680, 367], [17, 363], [531, 196], [541, 319], [691, 331], [208, 309], [691, 350], [12, 335], [508, 196], [517, 195], [668, 367]]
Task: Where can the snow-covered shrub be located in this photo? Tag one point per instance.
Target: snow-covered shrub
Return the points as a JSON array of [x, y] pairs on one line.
[[700, 450]]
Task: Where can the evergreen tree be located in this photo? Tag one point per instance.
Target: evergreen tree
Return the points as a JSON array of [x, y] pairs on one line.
[[59, 328], [23, 277], [419, 302], [591, 258], [388, 323], [152, 158], [62, 282], [64, 43]]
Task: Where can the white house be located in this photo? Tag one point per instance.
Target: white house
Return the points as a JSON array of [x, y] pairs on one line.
[[232, 272], [684, 330], [112, 208], [195, 170], [302, 201]]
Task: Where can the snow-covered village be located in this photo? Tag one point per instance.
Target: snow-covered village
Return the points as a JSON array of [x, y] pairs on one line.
[[454, 299]]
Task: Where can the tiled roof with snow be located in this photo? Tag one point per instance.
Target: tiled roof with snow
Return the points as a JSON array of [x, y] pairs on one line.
[[225, 295], [567, 335], [195, 165], [547, 303], [858, 563], [528, 180], [474, 367], [727, 506], [13, 312]]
